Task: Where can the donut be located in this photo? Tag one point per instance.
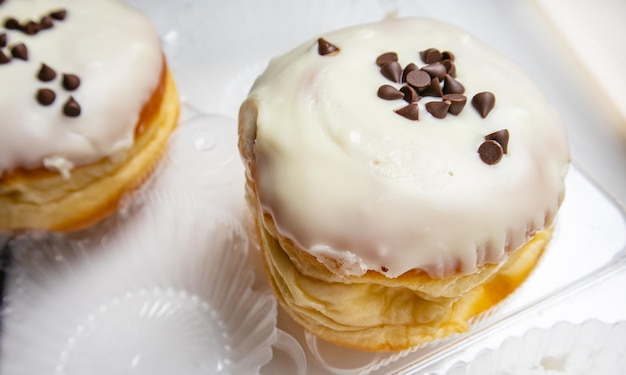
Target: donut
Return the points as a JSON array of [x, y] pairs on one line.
[[87, 105], [404, 179]]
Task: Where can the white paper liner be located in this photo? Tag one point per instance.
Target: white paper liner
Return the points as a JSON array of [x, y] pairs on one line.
[[168, 292], [218, 86], [593, 347]]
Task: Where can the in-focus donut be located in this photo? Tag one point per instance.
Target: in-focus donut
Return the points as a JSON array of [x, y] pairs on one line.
[[404, 178]]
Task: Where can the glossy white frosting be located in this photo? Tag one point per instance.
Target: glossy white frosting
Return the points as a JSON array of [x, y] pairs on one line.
[[116, 54], [347, 178]]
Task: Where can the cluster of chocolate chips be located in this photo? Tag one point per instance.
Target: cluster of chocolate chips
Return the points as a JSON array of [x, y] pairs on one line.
[[31, 27], [435, 79], [69, 82], [46, 96], [20, 51], [438, 79]]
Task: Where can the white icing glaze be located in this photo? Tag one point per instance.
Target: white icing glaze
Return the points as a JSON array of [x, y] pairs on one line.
[[114, 51], [347, 178], [59, 164]]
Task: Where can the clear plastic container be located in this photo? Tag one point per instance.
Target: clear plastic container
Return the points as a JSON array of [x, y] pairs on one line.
[[216, 50], [591, 347]]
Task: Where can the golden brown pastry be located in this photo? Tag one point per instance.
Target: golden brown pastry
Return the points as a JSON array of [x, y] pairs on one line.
[[404, 178]]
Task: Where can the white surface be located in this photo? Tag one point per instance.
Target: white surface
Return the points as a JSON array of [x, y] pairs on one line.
[[216, 50], [595, 33]]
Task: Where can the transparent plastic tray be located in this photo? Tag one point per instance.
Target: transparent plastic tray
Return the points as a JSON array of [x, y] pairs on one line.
[[216, 50], [165, 287]]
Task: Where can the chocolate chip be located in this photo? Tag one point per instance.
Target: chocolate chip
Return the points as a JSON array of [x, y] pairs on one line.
[[410, 111], [502, 137], [325, 48], [433, 89], [3, 40], [12, 24], [59, 14], [46, 73], [19, 51], [447, 55], [430, 55], [457, 102], [438, 109], [452, 86], [45, 96], [484, 103], [30, 28], [46, 23], [450, 67], [410, 95], [435, 69], [384, 269], [490, 152], [419, 79], [71, 108], [407, 69], [70, 82], [392, 71], [4, 58], [386, 57], [389, 92]]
